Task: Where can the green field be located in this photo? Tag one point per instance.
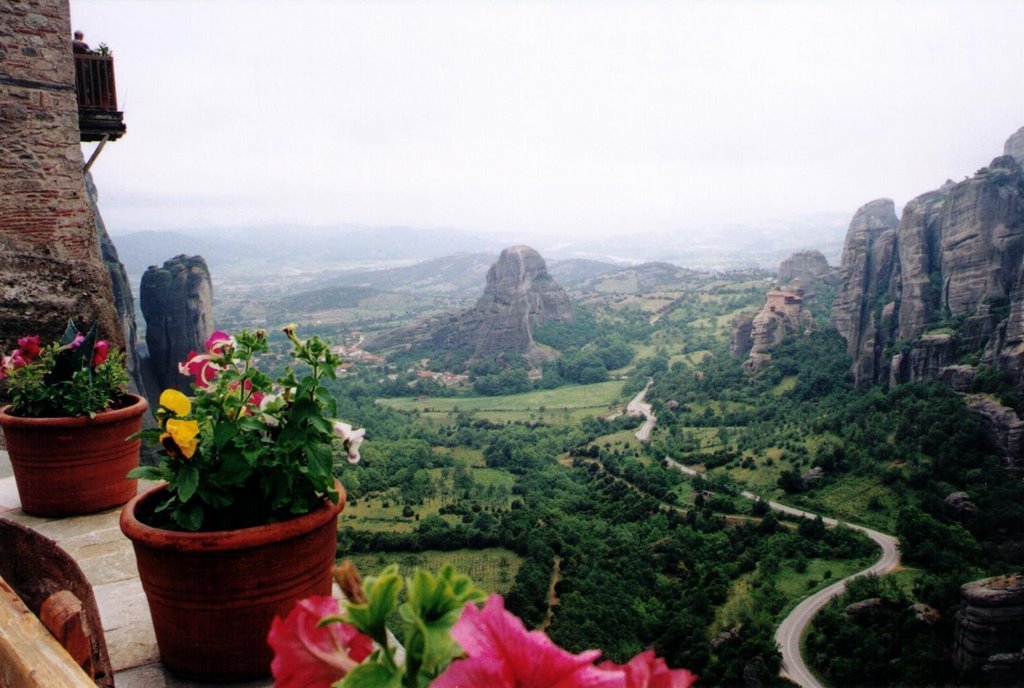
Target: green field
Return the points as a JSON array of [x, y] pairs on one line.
[[565, 404], [793, 586]]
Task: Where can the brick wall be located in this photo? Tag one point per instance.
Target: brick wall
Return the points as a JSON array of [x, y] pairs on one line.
[[50, 265]]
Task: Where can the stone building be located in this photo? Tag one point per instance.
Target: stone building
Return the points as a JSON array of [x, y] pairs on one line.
[[50, 264]]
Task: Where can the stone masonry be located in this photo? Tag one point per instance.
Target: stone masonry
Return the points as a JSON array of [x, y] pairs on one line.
[[50, 265]]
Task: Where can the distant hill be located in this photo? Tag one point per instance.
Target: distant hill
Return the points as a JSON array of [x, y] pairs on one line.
[[304, 252], [642, 279]]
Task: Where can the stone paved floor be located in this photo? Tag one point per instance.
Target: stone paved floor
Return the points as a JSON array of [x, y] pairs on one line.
[[106, 557]]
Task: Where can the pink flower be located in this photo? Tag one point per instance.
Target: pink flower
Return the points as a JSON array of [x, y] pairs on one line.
[[77, 341], [30, 346], [200, 367], [648, 671], [308, 656], [219, 342], [100, 352], [503, 654], [351, 438], [16, 360]]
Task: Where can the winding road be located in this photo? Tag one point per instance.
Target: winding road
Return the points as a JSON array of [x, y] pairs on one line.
[[792, 628], [637, 407]]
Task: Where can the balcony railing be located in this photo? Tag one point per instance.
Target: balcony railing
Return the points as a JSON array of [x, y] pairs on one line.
[[98, 116]]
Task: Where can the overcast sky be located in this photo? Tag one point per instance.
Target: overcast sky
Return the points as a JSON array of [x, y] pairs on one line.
[[572, 117]]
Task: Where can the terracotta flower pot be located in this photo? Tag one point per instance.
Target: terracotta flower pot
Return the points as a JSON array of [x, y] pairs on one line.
[[68, 466], [212, 595]]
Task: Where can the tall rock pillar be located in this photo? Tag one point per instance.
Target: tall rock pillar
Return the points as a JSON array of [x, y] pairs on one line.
[[177, 303], [51, 268]]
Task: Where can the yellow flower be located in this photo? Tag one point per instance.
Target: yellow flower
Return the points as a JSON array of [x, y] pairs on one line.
[[176, 402], [184, 433]]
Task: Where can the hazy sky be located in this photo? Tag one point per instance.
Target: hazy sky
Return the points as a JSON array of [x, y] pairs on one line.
[[573, 117]]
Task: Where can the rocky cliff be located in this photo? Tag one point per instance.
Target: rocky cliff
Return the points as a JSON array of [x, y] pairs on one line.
[[519, 295], [989, 630], [123, 300], [952, 265], [177, 303]]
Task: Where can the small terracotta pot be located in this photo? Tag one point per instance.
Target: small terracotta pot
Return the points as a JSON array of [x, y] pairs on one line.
[[212, 595], [69, 466]]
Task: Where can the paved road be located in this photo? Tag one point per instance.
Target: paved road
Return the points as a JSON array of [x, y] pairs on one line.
[[637, 407], [792, 628]]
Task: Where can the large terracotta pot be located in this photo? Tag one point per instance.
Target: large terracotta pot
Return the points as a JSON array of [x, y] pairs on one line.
[[213, 595], [68, 466]]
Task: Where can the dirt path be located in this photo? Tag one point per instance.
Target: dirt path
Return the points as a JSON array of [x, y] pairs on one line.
[[556, 575]]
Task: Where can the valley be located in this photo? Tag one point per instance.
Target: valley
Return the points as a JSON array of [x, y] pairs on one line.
[[506, 426]]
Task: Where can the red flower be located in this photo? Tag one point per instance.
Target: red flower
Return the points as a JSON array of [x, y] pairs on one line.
[[648, 671], [308, 656], [100, 352], [200, 367], [30, 346], [217, 342], [503, 654]]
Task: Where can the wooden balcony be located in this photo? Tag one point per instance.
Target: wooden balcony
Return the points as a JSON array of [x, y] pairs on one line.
[[98, 116]]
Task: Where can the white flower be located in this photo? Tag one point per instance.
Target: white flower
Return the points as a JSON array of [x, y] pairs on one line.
[[352, 439]]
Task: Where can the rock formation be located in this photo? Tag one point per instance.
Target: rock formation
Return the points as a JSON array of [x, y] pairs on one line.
[[1015, 146], [862, 310], [803, 265], [1003, 426], [123, 300], [951, 266], [519, 295], [783, 313], [989, 630], [177, 303]]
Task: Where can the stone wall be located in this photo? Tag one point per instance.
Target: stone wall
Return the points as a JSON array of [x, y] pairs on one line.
[[51, 269]]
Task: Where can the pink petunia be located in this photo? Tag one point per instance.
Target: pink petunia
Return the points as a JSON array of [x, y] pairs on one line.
[[77, 341], [649, 671], [311, 656], [100, 352], [218, 342], [30, 346], [200, 367], [501, 653]]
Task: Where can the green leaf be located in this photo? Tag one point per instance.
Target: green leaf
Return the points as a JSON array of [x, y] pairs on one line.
[[188, 481], [148, 473], [382, 598], [372, 675], [222, 434], [190, 516]]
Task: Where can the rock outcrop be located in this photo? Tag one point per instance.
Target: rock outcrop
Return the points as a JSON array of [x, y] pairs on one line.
[[177, 303], [951, 265], [519, 296], [803, 265], [989, 630], [863, 308], [782, 315], [1004, 428], [1015, 146]]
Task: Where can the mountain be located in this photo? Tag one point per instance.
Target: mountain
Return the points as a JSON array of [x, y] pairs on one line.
[[519, 295], [943, 284]]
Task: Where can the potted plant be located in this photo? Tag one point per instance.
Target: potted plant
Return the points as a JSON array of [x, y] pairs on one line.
[[448, 642], [68, 424], [245, 522]]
